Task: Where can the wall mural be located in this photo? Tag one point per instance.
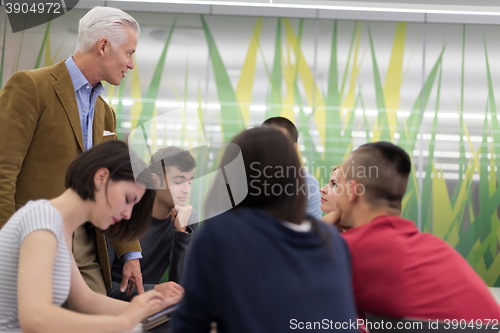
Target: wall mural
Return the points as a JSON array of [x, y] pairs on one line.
[[430, 88]]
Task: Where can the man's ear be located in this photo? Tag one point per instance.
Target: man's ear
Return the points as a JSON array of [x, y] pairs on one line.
[[351, 190], [102, 45], [157, 180]]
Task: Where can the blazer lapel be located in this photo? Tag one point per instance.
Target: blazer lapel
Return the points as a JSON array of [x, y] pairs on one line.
[[66, 93], [98, 125]]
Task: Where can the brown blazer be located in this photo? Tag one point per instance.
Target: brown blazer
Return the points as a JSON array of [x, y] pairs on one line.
[[40, 135]]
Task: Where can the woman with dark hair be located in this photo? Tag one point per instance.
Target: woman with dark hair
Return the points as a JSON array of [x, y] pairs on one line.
[[38, 269], [263, 266]]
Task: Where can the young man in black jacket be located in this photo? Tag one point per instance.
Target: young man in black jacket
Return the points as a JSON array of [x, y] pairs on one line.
[[172, 227]]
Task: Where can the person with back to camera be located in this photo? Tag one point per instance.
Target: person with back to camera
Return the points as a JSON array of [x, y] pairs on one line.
[[263, 266], [398, 271], [173, 226], [38, 269], [311, 183]]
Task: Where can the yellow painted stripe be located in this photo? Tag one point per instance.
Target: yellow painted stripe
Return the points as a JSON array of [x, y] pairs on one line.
[[311, 88], [289, 98], [471, 147], [441, 208], [350, 97], [393, 78], [135, 91], [48, 57], [244, 88]]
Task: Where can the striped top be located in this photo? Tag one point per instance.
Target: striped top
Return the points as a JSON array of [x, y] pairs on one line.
[[34, 216]]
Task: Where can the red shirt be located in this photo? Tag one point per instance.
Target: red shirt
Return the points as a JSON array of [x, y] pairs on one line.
[[399, 271]]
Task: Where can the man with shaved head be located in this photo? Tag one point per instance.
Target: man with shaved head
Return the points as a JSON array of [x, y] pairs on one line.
[[398, 271]]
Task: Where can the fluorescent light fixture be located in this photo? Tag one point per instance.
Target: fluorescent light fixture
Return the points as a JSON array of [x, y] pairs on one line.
[[168, 104], [358, 134], [444, 137], [446, 166], [213, 106], [447, 154], [403, 113], [446, 175], [270, 4], [261, 108], [213, 128], [360, 112], [314, 132], [191, 105], [126, 124]]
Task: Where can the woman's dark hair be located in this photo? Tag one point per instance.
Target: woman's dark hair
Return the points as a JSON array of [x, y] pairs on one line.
[[276, 182], [114, 155]]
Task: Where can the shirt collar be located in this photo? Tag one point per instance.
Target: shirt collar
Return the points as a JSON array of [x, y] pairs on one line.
[[78, 79]]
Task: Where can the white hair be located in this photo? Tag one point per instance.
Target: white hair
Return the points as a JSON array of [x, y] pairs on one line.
[[107, 22]]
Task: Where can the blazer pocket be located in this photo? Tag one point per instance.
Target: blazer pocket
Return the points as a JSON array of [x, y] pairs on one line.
[[107, 135]]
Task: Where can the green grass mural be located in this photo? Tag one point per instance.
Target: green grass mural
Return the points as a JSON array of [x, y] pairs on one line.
[[328, 116]]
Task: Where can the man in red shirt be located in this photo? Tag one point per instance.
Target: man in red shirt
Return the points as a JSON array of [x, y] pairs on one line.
[[398, 271]]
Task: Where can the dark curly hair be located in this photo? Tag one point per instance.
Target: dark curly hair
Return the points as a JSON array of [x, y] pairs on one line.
[[171, 156]]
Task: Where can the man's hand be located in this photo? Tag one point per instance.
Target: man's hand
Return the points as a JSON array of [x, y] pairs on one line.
[[170, 289], [183, 215], [132, 277]]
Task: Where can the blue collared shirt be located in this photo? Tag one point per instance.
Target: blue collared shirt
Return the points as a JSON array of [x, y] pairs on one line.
[[86, 95], [313, 197]]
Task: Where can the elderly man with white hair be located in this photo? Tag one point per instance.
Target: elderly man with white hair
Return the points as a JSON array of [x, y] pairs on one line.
[[51, 115]]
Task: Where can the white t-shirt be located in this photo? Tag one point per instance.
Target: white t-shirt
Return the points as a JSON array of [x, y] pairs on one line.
[[35, 215]]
